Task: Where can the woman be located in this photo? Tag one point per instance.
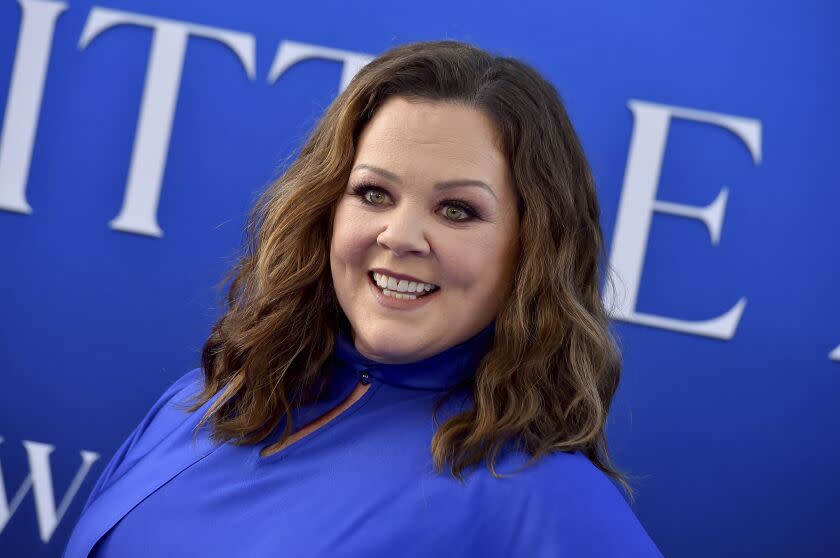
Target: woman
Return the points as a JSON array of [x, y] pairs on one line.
[[415, 360]]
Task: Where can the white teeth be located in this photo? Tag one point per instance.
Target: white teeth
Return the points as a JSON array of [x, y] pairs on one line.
[[401, 286], [398, 295]]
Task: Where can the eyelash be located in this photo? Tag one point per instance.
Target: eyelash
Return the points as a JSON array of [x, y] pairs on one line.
[[361, 189]]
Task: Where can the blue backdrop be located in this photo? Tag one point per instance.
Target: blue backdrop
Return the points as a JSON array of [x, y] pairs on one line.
[[136, 135]]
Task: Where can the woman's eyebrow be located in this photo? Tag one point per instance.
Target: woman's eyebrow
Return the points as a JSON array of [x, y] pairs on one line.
[[444, 185]]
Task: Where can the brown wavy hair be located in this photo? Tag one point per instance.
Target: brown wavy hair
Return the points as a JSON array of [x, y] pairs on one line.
[[547, 382]]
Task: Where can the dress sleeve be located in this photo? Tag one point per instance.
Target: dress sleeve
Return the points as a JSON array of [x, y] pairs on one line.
[[171, 393], [569, 507], [602, 524], [596, 520]]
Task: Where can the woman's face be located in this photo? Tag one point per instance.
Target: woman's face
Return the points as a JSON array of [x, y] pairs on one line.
[[424, 214]]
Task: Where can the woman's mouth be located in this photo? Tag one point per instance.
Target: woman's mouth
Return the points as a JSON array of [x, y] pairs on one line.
[[396, 298], [403, 290]]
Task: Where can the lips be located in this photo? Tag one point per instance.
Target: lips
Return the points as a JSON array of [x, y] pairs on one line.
[[398, 276], [425, 293], [391, 303]]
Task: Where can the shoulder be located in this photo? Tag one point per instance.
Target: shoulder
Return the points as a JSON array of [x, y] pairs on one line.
[[564, 505], [572, 477], [161, 419], [170, 408], [184, 387]]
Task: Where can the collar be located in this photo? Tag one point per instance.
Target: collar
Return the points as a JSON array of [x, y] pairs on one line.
[[438, 372]]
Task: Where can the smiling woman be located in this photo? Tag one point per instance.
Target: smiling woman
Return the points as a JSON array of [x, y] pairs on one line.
[[416, 310], [429, 199]]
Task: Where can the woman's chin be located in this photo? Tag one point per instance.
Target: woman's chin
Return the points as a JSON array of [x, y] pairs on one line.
[[392, 347]]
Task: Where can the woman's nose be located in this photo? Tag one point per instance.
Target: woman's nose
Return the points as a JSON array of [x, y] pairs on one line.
[[404, 234]]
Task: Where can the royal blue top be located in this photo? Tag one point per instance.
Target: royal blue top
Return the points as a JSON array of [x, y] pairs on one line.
[[361, 485]]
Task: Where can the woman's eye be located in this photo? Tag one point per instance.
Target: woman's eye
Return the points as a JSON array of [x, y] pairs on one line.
[[454, 210], [376, 197], [458, 211], [363, 190]]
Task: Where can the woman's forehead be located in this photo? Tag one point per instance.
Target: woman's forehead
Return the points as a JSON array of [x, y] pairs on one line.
[[431, 139], [423, 122]]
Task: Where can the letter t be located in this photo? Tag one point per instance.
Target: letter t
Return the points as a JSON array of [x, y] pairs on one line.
[[163, 79]]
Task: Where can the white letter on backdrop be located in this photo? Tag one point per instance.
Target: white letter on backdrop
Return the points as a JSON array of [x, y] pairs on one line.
[[835, 354], [37, 26], [42, 488], [160, 94], [290, 53], [638, 202], [40, 481]]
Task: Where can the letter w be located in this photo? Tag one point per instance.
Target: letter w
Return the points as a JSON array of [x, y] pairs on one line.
[[40, 480]]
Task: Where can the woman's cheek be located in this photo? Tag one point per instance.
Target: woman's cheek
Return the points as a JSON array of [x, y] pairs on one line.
[[460, 265], [350, 234]]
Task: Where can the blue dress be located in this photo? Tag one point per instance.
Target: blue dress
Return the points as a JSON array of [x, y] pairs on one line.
[[361, 485]]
